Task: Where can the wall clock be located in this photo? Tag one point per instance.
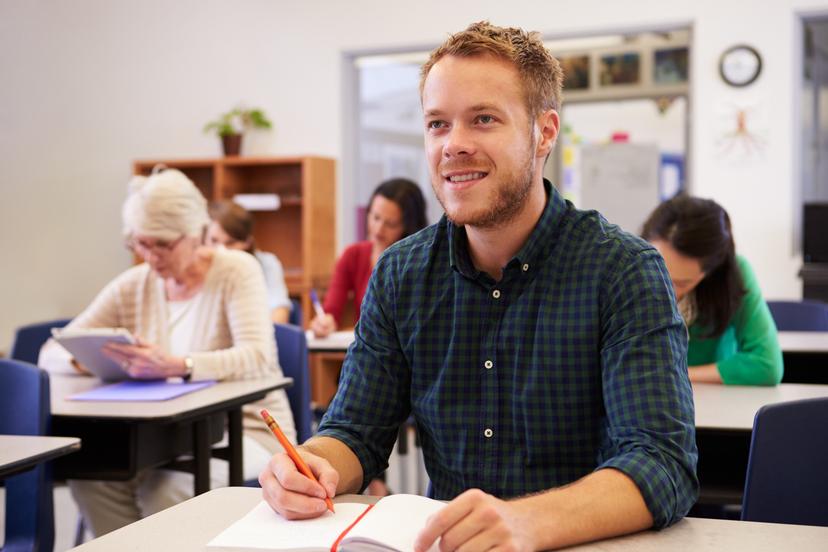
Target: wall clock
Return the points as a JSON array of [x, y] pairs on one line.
[[740, 65]]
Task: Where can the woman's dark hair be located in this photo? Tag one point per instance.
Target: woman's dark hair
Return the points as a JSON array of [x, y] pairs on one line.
[[700, 229], [235, 220], [409, 198]]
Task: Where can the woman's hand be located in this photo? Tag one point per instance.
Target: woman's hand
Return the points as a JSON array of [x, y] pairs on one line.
[[80, 368], [706, 373], [145, 360], [323, 326]]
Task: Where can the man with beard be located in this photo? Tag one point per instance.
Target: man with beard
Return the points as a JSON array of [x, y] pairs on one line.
[[537, 346]]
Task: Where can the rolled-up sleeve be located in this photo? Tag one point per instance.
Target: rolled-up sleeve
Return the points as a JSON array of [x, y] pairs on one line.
[[650, 433]]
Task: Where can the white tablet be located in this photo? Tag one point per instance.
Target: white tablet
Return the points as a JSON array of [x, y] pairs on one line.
[[85, 345]]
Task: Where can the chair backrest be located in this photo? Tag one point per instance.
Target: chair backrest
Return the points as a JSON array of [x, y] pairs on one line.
[[799, 316], [293, 357], [25, 410], [787, 475], [29, 339], [295, 316]]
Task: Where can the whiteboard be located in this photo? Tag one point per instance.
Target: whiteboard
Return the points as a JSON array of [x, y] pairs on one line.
[[620, 180]]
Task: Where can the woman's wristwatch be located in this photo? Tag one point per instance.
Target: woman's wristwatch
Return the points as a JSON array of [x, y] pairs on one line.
[[188, 366]]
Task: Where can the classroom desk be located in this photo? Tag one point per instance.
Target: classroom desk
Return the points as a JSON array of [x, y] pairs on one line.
[[325, 357], [19, 453], [733, 407], [122, 438], [189, 526], [805, 355], [724, 423], [337, 341]]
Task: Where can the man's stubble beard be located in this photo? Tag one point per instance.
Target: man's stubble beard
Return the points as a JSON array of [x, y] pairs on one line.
[[506, 201]]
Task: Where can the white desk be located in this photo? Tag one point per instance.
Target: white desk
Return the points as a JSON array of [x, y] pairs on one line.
[[189, 526], [337, 341], [805, 355], [122, 438], [803, 342], [19, 453], [795, 342], [724, 423], [325, 358], [220, 393], [733, 407]]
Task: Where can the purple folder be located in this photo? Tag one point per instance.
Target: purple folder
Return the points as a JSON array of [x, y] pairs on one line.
[[133, 390]]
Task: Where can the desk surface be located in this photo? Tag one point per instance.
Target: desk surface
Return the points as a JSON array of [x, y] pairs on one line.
[[192, 524], [21, 452], [790, 342], [803, 342], [337, 341], [189, 404], [733, 407]]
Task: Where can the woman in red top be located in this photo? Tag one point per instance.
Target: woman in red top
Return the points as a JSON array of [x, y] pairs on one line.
[[396, 210]]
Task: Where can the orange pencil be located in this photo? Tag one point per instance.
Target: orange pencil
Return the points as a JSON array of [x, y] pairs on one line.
[[300, 464]]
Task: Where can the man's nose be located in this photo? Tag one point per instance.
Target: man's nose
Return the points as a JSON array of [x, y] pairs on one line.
[[458, 142]]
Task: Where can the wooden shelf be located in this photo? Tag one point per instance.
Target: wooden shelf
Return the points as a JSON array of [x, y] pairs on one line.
[[301, 233]]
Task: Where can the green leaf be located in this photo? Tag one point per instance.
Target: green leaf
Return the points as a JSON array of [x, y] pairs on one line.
[[238, 120]]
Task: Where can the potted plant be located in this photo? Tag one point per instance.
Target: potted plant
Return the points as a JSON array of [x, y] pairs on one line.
[[231, 125]]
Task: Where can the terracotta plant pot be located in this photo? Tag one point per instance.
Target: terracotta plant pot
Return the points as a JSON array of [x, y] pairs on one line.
[[231, 144]]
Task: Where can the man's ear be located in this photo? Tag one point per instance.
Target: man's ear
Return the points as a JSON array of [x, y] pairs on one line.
[[548, 123]]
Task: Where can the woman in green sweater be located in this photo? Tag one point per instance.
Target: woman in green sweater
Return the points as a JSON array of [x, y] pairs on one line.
[[732, 334]]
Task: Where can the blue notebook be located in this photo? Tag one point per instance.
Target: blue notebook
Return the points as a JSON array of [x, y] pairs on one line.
[[133, 390]]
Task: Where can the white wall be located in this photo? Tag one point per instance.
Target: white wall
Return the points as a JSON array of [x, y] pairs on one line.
[[88, 86]]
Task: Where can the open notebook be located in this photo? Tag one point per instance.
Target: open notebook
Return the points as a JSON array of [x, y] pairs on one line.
[[392, 524]]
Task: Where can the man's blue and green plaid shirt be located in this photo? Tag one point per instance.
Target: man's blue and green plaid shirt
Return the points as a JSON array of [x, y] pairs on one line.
[[574, 361]]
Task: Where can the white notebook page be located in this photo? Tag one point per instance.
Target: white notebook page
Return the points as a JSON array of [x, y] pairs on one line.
[[264, 529], [396, 521]]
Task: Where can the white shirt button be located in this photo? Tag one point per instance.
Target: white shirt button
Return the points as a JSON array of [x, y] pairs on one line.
[[488, 432], [525, 267], [496, 294], [488, 364]]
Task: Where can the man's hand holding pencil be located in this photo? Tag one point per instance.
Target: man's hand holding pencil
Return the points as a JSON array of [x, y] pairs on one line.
[[296, 483]]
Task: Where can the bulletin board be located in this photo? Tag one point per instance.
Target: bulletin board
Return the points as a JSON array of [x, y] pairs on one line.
[[621, 181]]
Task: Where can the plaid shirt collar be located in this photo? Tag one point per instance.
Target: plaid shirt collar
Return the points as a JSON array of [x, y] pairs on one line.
[[537, 246]]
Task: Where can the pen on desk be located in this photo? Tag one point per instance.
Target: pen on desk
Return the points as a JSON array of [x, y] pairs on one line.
[[317, 306], [300, 464]]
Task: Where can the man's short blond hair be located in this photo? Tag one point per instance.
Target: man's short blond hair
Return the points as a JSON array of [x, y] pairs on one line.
[[540, 72]]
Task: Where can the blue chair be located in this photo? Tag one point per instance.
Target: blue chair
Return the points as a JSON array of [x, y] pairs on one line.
[[25, 410], [29, 339], [296, 317], [799, 316], [293, 358], [26, 347], [787, 479]]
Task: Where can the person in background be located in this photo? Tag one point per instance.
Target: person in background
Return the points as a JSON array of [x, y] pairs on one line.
[[199, 313], [232, 227], [732, 334], [396, 210]]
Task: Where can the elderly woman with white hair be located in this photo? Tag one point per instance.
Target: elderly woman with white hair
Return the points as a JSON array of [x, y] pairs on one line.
[[199, 313]]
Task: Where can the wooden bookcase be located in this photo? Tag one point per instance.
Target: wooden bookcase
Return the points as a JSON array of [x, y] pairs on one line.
[[301, 233]]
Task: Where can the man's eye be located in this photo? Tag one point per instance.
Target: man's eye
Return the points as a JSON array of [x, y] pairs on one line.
[[486, 119], [435, 124]]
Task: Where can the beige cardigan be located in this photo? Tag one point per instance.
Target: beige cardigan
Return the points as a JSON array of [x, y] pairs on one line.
[[233, 337]]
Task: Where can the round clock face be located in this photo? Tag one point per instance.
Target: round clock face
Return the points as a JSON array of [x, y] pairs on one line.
[[740, 65]]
